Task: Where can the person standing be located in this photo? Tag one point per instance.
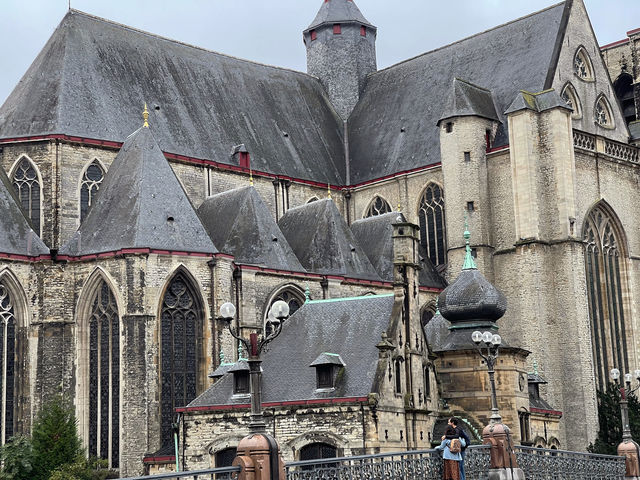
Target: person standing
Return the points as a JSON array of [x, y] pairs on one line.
[[451, 454], [459, 433]]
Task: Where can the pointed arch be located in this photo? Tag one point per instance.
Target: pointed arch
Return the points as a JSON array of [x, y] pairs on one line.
[[570, 96], [182, 350], [602, 112], [582, 66], [14, 357], [377, 206], [27, 183], [89, 183], [98, 367], [431, 215], [290, 293], [606, 268], [623, 86]]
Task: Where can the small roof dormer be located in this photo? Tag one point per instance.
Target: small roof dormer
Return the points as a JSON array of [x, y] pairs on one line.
[[327, 367]]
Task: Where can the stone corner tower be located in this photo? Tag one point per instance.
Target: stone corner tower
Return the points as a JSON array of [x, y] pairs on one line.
[[341, 52]]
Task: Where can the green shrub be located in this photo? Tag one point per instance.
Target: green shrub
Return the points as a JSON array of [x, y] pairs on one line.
[[17, 459]]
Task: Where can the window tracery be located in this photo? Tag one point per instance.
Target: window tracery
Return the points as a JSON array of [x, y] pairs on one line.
[[181, 319], [602, 113], [582, 65], [7, 362], [91, 180], [431, 215], [104, 377], [378, 206], [570, 96], [28, 188], [605, 268], [292, 297]]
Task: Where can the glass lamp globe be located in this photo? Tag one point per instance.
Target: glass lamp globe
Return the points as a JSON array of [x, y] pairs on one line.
[[637, 374], [496, 340], [280, 309], [487, 337], [627, 377], [476, 337], [227, 310], [615, 374]]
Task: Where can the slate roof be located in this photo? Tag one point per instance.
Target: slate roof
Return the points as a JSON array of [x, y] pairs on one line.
[[436, 331], [466, 99], [16, 235], [202, 103], [393, 126], [349, 327], [140, 204], [538, 102], [380, 252], [338, 11], [323, 242], [239, 223]]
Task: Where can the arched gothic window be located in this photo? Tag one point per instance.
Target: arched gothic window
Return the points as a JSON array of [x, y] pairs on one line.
[[316, 451], [91, 180], [623, 87], [292, 296], [28, 189], [104, 377], [378, 206], [432, 226], [8, 363], [570, 96], [605, 283], [181, 324], [602, 113], [582, 65]]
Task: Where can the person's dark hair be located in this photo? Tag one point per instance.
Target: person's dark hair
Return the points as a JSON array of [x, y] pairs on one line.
[[449, 431], [454, 420]]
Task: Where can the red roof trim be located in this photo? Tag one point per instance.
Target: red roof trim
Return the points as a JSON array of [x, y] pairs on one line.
[[320, 401], [24, 258], [397, 174], [635, 30], [430, 289], [498, 149], [164, 459], [133, 251], [549, 412], [615, 44]]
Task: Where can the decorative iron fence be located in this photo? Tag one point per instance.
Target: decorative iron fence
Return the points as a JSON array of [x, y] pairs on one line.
[[543, 464], [223, 473], [411, 465]]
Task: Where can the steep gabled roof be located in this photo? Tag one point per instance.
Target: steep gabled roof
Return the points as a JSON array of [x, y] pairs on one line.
[[349, 327], [323, 242], [140, 204], [16, 235], [380, 252], [393, 127], [338, 11], [92, 76], [240, 223], [467, 99]]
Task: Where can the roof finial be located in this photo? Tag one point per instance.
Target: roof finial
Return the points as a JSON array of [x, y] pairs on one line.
[[535, 367], [399, 207], [468, 264], [250, 177], [145, 116], [329, 191], [221, 357], [240, 352], [307, 294]]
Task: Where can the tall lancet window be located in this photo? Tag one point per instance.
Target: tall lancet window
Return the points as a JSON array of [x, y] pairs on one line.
[[7, 358], [28, 188], [91, 180], [181, 321], [104, 377], [432, 231], [605, 268]]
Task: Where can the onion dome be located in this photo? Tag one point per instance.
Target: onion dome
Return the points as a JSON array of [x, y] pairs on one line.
[[471, 299]]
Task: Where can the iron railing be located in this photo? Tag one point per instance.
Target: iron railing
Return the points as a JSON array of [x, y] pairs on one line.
[[223, 473], [411, 465], [543, 464]]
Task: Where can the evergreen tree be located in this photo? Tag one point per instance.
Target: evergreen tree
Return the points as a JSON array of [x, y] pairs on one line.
[[610, 420], [55, 438]]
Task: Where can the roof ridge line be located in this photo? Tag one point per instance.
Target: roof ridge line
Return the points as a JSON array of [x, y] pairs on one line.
[[346, 299], [185, 44], [469, 37], [472, 84]]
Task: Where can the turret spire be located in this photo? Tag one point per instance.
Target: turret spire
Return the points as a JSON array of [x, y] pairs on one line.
[[469, 263]]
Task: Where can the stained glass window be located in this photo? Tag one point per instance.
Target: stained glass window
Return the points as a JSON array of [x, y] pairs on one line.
[[604, 266], [91, 181], [28, 189], [378, 206], [104, 377], [432, 226], [181, 318], [7, 359]]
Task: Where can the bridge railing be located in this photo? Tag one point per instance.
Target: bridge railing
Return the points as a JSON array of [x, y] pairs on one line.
[[222, 473], [410, 465], [544, 464]]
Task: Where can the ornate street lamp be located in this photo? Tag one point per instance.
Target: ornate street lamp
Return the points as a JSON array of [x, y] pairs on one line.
[[492, 343], [624, 404], [277, 315]]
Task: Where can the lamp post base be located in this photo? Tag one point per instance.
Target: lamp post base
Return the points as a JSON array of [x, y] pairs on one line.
[[506, 474]]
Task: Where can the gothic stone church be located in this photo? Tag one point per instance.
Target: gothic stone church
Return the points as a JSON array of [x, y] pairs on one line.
[[250, 183]]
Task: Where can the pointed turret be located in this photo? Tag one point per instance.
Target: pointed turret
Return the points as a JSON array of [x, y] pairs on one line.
[[141, 204], [341, 52]]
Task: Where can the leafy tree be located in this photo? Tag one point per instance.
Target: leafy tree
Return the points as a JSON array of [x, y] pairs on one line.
[[55, 438], [17, 459], [610, 420]]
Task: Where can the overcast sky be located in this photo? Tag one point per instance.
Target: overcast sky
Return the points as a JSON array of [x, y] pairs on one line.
[[269, 31]]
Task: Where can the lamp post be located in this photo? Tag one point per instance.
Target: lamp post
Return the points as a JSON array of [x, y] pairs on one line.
[[277, 315], [624, 403], [492, 343]]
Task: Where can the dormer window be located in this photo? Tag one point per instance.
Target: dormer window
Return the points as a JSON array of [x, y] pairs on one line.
[[328, 367], [582, 65], [241, 383], [314, 35], [337, 29], [363, 31]]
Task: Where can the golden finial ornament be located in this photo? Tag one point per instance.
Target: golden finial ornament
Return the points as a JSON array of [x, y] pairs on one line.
[[250, 177], [145, 116], [329, 191]]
